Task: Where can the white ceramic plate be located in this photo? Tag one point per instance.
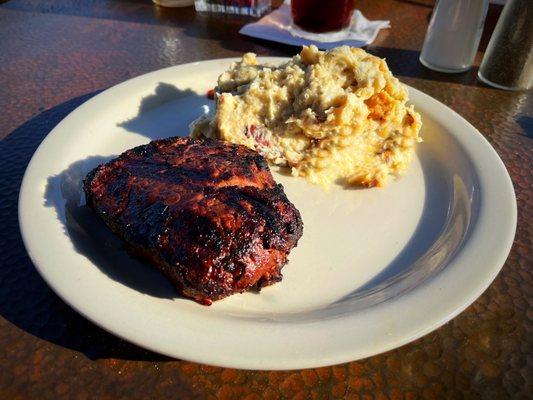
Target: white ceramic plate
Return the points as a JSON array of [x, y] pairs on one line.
[[375, 268]]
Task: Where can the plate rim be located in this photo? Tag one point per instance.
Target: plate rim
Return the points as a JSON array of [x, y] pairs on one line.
[[496, 172]]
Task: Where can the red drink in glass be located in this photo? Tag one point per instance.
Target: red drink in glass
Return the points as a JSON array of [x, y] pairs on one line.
[[322, 15]]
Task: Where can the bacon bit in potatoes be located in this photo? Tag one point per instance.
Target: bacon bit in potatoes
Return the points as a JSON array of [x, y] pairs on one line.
[[253, 132]]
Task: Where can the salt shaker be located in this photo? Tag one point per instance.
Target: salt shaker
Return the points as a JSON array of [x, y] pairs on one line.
[[453, 35], [508, 61]]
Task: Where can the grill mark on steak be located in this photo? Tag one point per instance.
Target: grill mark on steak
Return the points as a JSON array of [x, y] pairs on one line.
[[207, 214]]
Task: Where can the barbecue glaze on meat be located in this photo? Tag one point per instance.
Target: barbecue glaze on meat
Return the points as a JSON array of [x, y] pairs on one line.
[[206, 213]]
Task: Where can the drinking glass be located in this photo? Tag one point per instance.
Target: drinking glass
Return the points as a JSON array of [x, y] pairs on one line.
[[322, 16]]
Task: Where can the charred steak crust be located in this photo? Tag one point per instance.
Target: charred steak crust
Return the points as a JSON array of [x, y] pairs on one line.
[[206, 213]]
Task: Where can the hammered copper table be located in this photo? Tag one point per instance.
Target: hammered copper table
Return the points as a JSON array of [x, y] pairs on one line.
[[54, 55]]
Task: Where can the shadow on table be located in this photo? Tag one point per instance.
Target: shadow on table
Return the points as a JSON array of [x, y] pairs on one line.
[[417, 3], [406, 63], [526, 123], [25, 299]]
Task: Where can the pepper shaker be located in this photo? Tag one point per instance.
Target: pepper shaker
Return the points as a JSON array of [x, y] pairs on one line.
[[508, 61], [453, 35]]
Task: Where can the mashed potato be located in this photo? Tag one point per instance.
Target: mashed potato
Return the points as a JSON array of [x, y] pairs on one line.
[[335, 116]]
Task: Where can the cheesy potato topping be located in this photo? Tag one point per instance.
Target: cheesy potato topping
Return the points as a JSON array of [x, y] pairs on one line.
[[334, 116]]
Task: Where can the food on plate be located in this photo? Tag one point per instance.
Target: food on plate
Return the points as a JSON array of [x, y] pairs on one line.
[[206, 213], [333, 116]]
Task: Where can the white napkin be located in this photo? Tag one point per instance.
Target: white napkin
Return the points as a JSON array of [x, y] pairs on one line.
[[278, 27]]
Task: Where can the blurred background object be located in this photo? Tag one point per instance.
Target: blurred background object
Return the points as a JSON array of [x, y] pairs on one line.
[[453, 35], [255, 8], [174, 3], [508, 61]]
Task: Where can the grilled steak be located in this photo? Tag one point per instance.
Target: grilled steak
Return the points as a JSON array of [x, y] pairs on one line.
[[207, 214]]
